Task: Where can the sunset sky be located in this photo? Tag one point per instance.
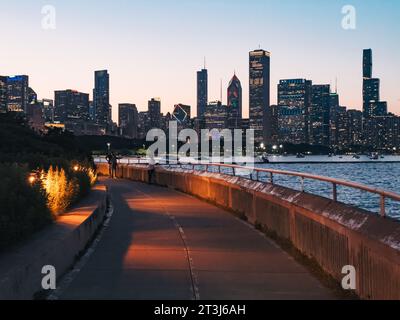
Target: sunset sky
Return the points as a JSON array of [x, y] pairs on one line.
[[154, 48]]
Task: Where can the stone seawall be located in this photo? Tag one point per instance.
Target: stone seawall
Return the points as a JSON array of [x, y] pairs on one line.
[[58, 245], [331, 233]]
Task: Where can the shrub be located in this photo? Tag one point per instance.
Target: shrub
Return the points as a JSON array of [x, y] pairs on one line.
[[65, 188], [23, 207], [61, 192], [82, 180]]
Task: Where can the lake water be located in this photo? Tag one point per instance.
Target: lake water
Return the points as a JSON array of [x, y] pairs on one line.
[[378, 174], [383, 174]]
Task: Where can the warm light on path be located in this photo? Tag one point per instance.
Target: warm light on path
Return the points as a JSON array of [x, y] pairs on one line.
[[142, 255]]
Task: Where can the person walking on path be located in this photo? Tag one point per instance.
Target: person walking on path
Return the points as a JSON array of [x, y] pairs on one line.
[[114, 165], [152, 164], [109, 159]]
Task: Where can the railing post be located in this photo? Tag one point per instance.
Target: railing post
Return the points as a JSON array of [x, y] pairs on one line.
[[334, 191], [383, 206], [257, 175], [271, 179], [234, 171], [302, 184]]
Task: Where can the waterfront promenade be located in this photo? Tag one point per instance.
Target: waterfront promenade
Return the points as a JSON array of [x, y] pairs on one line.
[[163, 244]]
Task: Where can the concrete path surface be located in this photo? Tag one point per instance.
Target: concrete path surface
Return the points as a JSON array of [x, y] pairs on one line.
[[162, 244]]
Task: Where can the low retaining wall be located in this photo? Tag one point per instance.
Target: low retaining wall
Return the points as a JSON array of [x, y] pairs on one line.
[[58, 245], [331, 233]]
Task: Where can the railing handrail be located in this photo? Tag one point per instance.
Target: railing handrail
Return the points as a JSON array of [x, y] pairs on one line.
[[335, 182], [340, 182]]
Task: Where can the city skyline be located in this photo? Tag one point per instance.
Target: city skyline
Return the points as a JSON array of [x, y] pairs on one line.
[[184, 50]]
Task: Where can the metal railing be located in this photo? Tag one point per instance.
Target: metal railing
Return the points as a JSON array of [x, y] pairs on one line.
[[255, 176]]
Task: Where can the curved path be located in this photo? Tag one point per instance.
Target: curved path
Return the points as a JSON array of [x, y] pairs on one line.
[[162, 244]]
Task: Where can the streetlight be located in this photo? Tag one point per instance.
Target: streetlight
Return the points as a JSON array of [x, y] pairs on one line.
[[76, 168], [109, 146]]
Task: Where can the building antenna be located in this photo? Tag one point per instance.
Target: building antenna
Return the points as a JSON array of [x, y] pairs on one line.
[[221, 91], [204, 62], [336, 85]]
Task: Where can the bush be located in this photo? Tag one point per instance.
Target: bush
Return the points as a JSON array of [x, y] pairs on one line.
[[82, 179], [65, 188], [61, 192], [23, 207]]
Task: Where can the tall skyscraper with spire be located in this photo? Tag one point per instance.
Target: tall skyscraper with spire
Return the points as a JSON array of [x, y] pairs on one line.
[[202, 92], [259, 95], [372, 106], [234, 103]]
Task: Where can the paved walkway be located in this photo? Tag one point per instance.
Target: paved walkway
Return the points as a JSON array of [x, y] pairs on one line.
[[162, 244]]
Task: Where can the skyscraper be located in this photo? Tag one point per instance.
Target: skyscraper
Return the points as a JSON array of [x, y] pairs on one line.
[[234, 103], [144, 124], [342, 128], [259, 94], [3, 94], [370, 95], [355, 127], [372, 106], [294, 98], [333, 119], [71, 106], [319, 115], [216, 116], [101, 97], [202, 92], [181, 114], [155, 113], [367, 64], [48, 110], [17, 93], [128, 120]]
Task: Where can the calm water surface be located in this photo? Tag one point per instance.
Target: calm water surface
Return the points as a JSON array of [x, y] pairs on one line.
[[381, 175]]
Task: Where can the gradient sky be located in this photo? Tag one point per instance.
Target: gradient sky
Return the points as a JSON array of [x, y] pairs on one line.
[[153, 48]]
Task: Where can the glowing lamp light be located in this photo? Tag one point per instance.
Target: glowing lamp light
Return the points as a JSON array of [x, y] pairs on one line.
[[275, 147], [32, 179], [76, 168]]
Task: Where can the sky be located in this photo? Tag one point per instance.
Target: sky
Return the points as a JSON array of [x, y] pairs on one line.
[[153, 48]]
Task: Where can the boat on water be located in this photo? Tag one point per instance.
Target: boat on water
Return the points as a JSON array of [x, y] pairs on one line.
[[300, 156], [265, 158], [374, 156]]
